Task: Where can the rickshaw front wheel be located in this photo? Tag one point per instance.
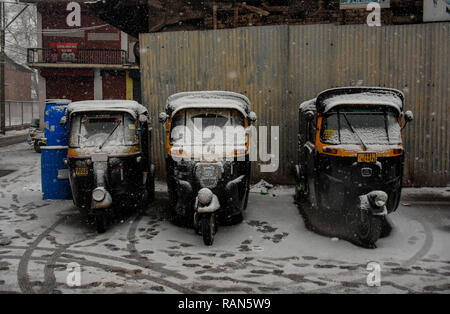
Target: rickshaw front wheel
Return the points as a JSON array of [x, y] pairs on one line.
[[100, 222], [37, 147], [208, 225], [370, 230]]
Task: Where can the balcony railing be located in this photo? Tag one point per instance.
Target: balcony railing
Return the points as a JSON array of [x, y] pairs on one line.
[[80, 56]]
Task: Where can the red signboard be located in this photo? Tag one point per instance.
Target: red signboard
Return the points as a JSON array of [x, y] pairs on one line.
[[64, 52]]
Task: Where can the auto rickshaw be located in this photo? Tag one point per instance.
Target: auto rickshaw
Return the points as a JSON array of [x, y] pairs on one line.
[[109, 157], [208, 166], [351, 157]]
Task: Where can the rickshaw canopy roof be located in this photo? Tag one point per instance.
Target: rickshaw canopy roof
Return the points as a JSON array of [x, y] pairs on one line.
[[376, 96], [309, 105], [207, 100], [130, 106], [58, 101]]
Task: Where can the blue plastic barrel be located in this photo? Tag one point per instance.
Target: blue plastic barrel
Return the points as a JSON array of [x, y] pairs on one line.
[[55, 134], [55, 174]]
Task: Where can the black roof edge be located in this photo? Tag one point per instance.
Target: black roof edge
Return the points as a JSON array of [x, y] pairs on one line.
[[134, 22]]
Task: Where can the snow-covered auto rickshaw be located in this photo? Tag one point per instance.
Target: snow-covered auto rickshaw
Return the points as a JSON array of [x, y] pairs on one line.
[[109, 157], [351, 156], [208, 166]]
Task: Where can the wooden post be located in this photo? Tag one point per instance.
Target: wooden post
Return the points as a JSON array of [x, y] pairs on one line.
[[214, 16], [389, 17], [236, 17]]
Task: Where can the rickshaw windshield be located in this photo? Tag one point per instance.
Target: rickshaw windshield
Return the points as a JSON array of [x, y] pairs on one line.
[[102, 129], [212, 125], [356, 125]]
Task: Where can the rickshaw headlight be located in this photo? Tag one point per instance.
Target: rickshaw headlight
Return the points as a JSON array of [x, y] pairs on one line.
[[378, 198], [139, 159], [99, 194], [330, 150], [177, 152], [205, 196]]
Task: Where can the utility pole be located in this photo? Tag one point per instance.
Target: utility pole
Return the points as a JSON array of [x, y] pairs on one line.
[[2, 66]]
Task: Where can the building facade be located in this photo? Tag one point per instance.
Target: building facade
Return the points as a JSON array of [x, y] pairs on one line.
[[81, 57]]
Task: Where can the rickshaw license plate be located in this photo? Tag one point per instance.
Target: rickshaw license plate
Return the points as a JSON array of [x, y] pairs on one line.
[[81, 172], [367, 157]]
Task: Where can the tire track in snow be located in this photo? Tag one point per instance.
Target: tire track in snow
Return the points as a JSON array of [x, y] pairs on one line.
[[23, 278], [107, 268], [425, 247], [97, 255], [49, 271]]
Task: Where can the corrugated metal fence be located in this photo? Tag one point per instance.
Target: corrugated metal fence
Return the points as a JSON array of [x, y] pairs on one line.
[[278, 67]]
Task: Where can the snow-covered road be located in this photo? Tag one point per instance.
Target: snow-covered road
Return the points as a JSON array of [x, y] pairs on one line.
[[270, 252]]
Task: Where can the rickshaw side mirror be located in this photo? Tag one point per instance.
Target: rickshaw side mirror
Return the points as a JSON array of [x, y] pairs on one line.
[[409, 116], [163, 117], [252, 117], [309, 116], [63, 121], [143, 118]]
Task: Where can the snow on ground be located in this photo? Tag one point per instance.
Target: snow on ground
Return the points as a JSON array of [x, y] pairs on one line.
[[270, 252], [265, 188]]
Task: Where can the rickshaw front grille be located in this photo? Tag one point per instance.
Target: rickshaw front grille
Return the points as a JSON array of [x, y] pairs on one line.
[[208, 175]]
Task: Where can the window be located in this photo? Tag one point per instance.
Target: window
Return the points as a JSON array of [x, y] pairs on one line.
[[373, 126], [213, 125], [94, 129]]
